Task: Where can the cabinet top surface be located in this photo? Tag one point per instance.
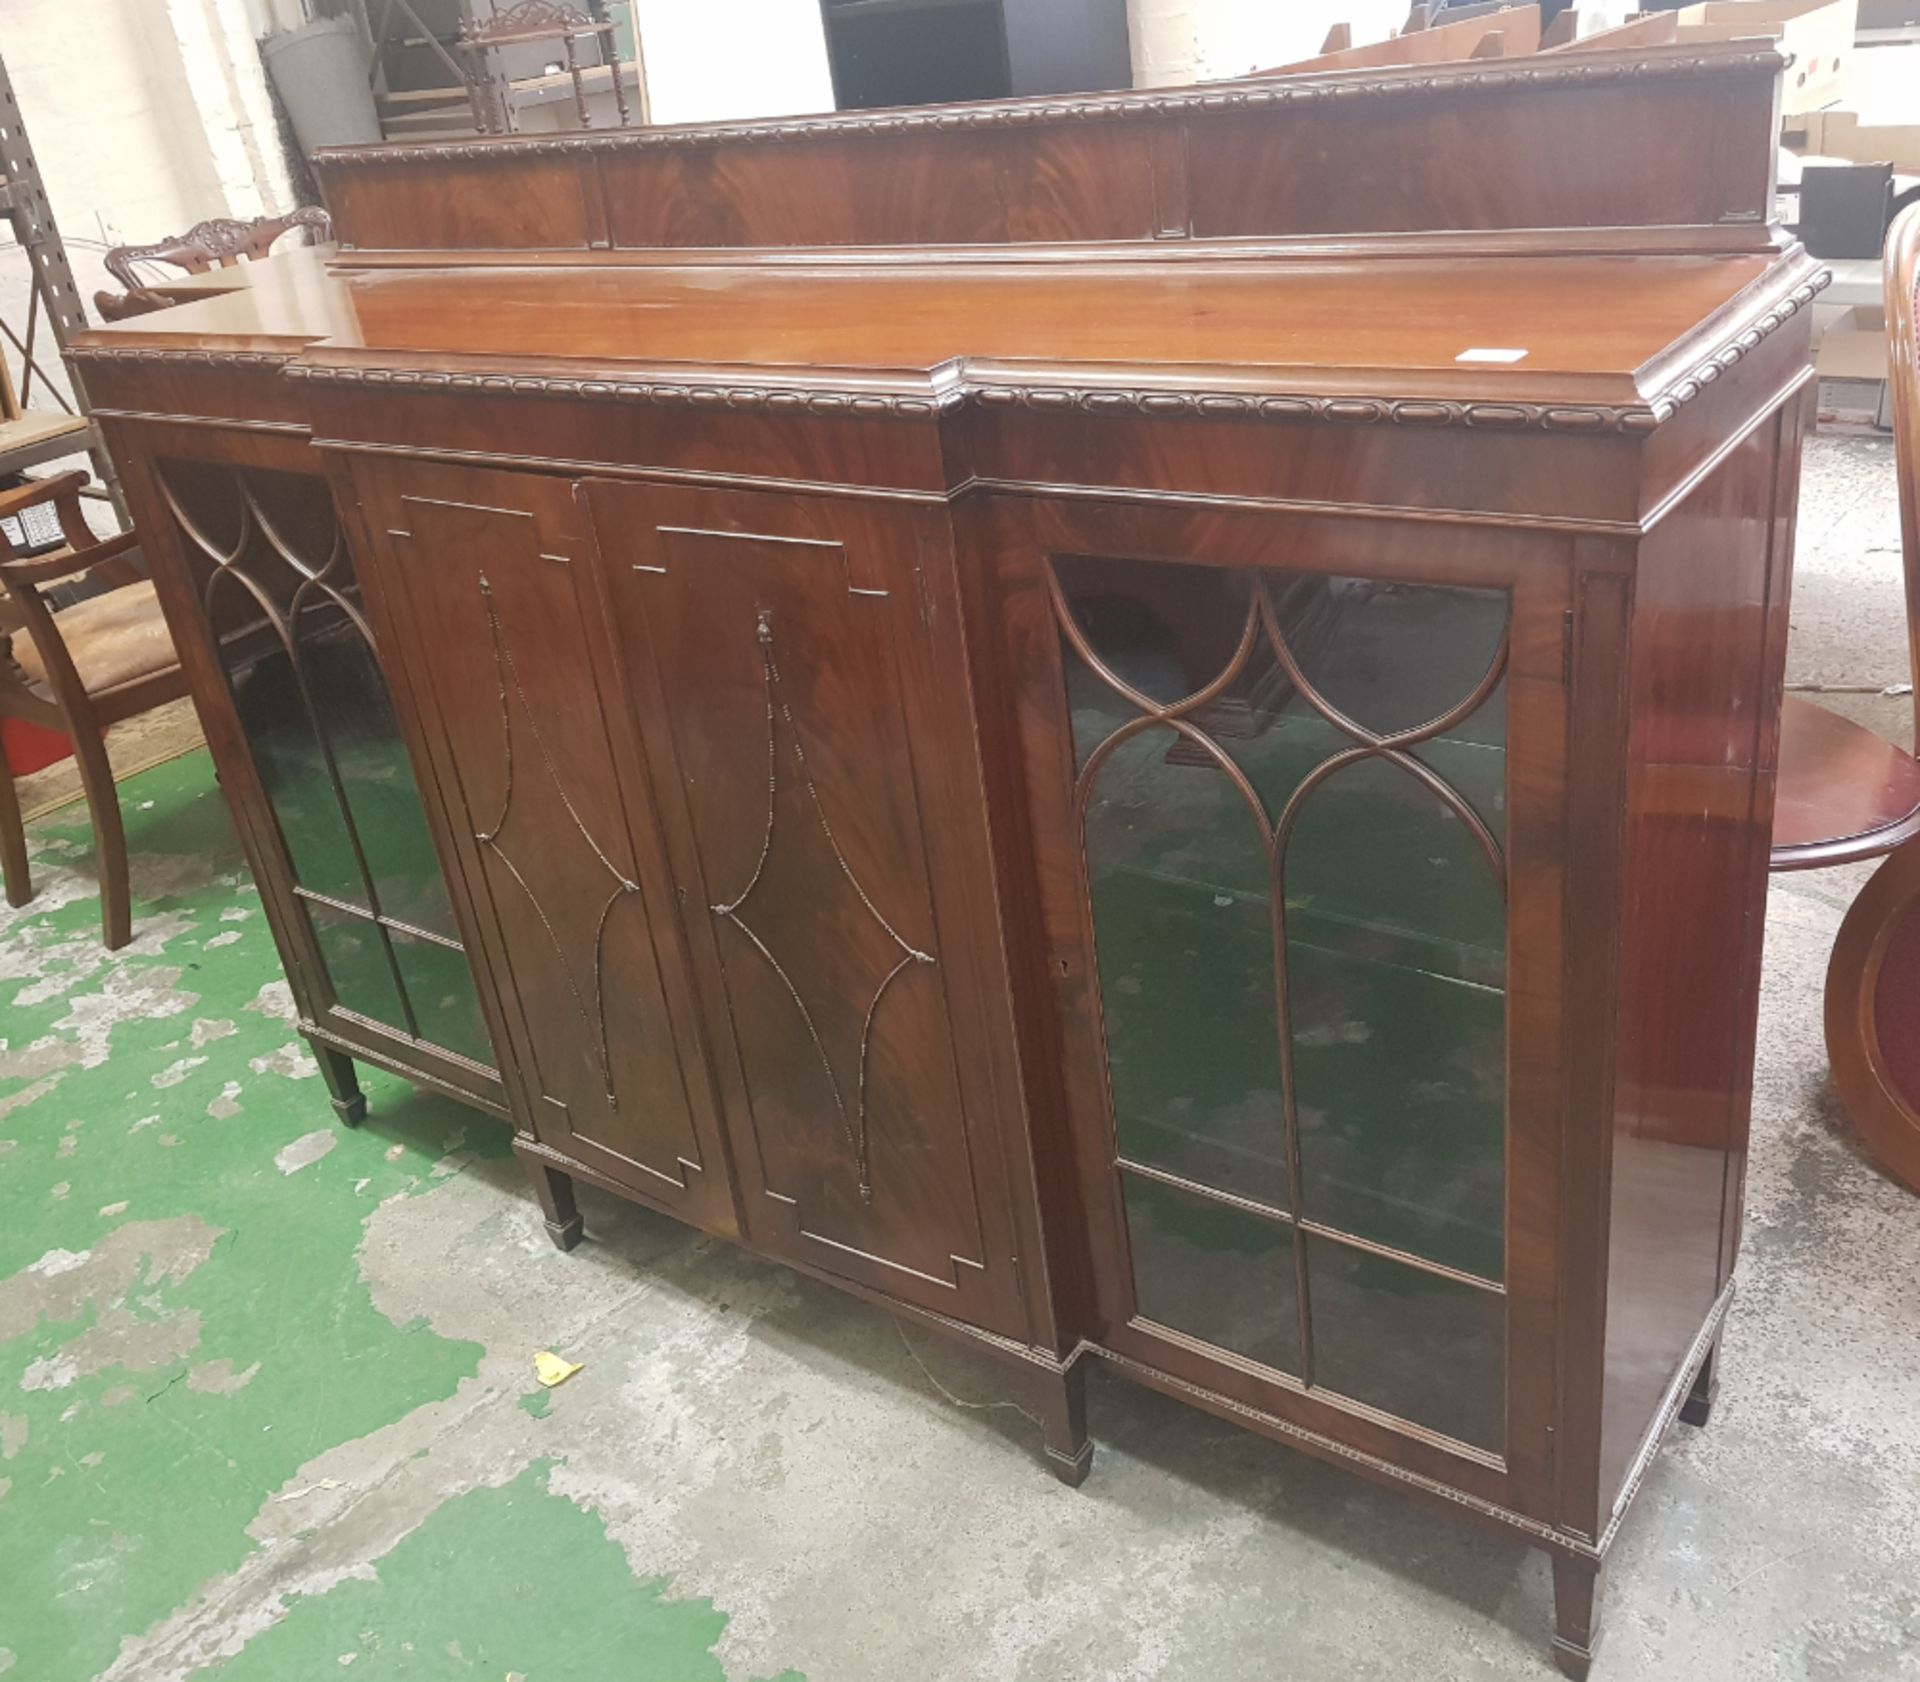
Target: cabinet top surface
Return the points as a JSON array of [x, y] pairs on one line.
[[1541, 328]]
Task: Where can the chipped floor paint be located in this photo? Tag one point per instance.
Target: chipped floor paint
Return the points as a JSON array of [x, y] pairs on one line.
[[183, 1322], [498, 1582]]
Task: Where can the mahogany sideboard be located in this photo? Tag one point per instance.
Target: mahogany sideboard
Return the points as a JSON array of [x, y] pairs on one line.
[[995, 705]]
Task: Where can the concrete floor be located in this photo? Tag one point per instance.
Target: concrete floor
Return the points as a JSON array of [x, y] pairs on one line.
[[267, 1406]]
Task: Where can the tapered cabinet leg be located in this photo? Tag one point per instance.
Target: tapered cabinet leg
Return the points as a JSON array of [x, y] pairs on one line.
[[1063, 1416], [555, 1192], [336, 1069], [1576, 1613], [1697, 1409]]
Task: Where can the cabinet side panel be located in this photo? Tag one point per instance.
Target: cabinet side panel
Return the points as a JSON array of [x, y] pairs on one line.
[[1708, 649]]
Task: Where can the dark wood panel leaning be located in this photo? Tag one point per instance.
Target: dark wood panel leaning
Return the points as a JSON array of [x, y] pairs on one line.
[[1195, 798]]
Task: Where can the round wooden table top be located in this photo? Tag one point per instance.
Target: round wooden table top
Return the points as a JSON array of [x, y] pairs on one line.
[[1844, 793]]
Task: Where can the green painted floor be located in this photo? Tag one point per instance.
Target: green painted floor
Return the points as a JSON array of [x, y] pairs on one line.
[[184, 1323], [267, 1409]]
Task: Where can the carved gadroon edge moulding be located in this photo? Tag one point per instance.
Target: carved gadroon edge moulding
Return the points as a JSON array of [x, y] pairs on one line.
[[526, 15], [1249, 96], [998, 393]]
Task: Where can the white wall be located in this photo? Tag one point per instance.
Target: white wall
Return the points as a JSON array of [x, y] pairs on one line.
[[1176, 41], [708, 60], [146, 115], [218, 49], [266, 16]]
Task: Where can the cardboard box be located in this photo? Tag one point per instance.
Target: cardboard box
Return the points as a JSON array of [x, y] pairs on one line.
[[1841, 134], [1817, 33], [1851, 367]]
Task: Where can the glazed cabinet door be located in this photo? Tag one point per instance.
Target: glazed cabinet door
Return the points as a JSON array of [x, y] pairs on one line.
[[493, 580], [261, 583], [800, 678], [1296, 789]]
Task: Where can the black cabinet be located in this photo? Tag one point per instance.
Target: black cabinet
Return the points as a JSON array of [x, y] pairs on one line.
[[922, 52]]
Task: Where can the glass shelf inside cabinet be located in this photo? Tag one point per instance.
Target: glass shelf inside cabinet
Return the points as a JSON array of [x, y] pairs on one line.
[[1291, 792], [277, 587]]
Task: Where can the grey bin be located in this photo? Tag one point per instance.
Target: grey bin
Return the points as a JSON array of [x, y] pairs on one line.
[[320, 72]]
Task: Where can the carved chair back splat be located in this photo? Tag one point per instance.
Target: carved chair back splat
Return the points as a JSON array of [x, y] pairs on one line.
[[220, 242]]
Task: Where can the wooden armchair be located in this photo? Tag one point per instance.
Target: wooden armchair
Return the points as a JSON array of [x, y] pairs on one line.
[[219, 243], [77, 671], [1846, 794]]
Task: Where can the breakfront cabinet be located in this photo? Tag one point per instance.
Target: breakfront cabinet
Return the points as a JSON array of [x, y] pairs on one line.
[[1133, 777]]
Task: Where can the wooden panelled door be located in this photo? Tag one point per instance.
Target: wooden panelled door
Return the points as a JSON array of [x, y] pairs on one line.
[[831, 860], [493, 580]]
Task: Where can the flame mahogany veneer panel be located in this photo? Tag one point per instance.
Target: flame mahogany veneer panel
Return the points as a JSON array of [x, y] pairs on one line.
[[505, 204], [1554, 148], [492, 575], [810, 751], [1090, 182]]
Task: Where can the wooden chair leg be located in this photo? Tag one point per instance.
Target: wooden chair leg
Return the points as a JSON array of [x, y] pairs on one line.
[[1873, 1014], [13, 838], [109, 835]]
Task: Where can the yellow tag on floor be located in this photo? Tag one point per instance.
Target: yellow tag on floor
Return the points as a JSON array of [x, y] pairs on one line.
[[551, 1370]]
